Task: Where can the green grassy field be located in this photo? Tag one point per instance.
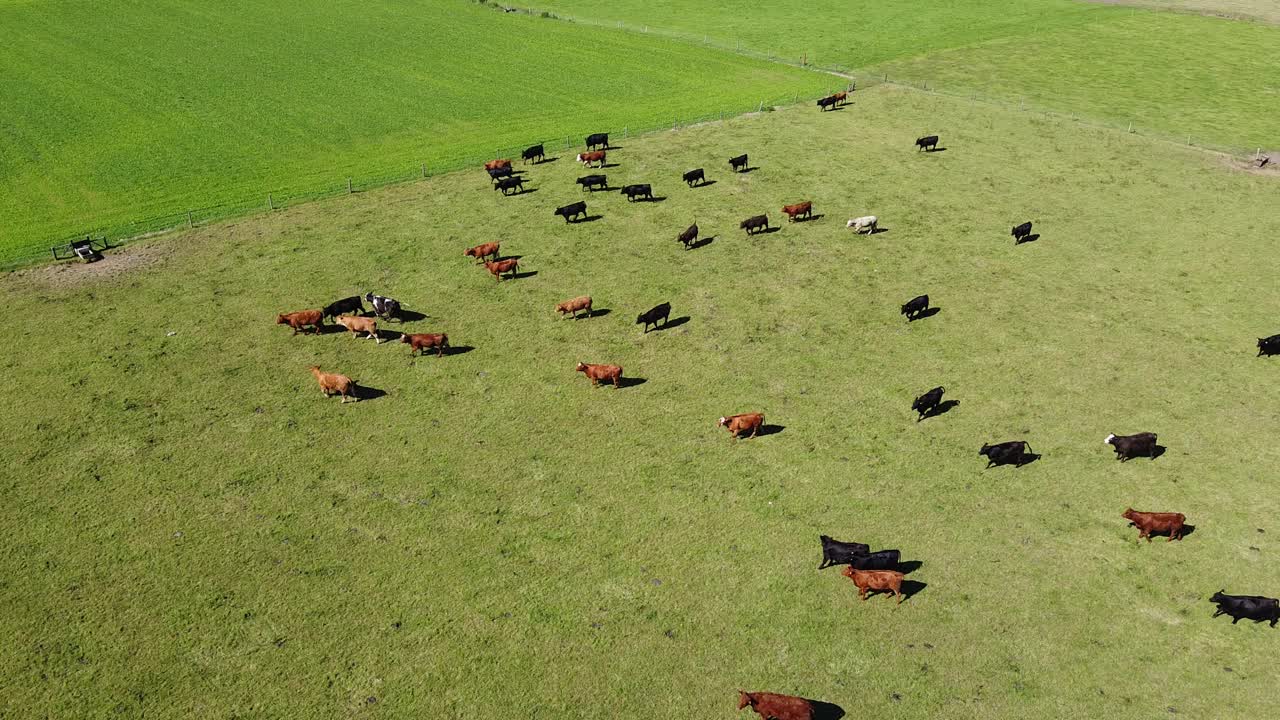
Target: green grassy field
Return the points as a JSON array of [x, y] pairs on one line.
[[124, 112], [192, 531], [1113, 64]]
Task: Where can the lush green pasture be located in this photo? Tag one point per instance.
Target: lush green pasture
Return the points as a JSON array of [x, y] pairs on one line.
[[1170, 74], [192, 531], [123, 111]]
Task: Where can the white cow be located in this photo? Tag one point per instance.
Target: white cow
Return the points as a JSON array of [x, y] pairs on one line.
[[866, 222]]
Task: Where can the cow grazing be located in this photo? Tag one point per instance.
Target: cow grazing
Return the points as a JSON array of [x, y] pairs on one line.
[[601, 373], [915, 306], [595, 156], [302, 319], [878, 560], [533, 152], [826, 103], [875, 581], [928, 402], [1131, 446], [572, 210], [498, 267], [1013, 453], [695, 177], [598, 140], [497, 174], [422, 342], [689, 236], [384, 307], [1021, 232], [835, 552], [591, 182], [495, 164], [574, 305], [360, 325], [653, 315], [1149, 522], [754, 224], [639, 190], [865, 223], [1269, 346], [928, 143], [772, 706], [799, 210], [509, 184], [745, 423], [483, 251], [1252, 607], [739, 164], [331, 383], [345, 305]]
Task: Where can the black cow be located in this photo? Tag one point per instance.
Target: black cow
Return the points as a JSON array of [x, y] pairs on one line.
[[827, 102], [928, 143], [515, 182], [835, 552], [753, 224], [1269, 345], [928, 402], [345, 305], [1021, 232], [572, 210], [1253, 607], [915, 306], [1006, 453], [689, 235], [597, 139], [878, 560], [533, 152], [591, 182], [695, 176], [634, 191], [384, 307], [738, 163], [1131, 446], [653, 315], [496, 174]]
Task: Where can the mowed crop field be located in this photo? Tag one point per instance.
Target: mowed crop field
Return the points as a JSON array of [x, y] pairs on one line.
[[1112, 64], [193, 531], [132, 111]]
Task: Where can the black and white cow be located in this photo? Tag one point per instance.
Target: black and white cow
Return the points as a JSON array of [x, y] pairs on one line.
[[1127, 447], [384, 307]]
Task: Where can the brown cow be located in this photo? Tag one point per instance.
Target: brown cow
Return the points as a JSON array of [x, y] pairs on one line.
[[841, 97], [772, 706], [598, 373], [331, 383], [745, 422], [804, 209], [1149, 522], [483, 250], [877, 580], [498, 267], [595, 156], [574, 305], [421, 342], [358, 325], [495, 164], [301, 319]]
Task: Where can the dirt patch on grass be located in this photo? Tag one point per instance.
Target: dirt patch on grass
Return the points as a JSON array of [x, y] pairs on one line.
[[1247, 10], [1250, 164], [114, 263]]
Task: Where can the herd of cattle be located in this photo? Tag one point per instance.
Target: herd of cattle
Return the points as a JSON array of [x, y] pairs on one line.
[[871, 572]]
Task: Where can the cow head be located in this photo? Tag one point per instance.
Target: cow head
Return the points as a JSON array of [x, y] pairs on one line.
[[1219, 596], [404, 338], [582, 367], [280, 319], [985, 449], [1107, 440], [745, 698], [1128, 514], [722, 422], [580, 159]]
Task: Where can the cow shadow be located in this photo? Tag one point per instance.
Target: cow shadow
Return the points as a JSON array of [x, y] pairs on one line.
[[587, 219], [327, 329], [911, 588], [701, 242], [825, 710], [364, 393], [595, 312], [879, 230], [1028, 239], [507, 257], [457, 350], [833, 108], [546, 160], [523, 191], [660, 198], [704, 183], [910, 566], [926, 313], [611, 165], [671, 324], [941, 408], [768, 230], [410, 315], [752, 168], [811, 218], [629, 382], [766, 430], [522, 275], [1027, 459], [937, 149]]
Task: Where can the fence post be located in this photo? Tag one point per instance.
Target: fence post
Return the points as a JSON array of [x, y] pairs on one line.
[[624, 132], [1130, 126], [348, 186], [761, 108], [189, 223], [271, 205], [424, 170], [1188, 139]]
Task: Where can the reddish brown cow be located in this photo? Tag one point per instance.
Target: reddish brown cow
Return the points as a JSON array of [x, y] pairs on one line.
[[772, 706], [360, 325], [495, 164], [498, 267], [804, 209], [877, 580], [743, 423], [841, 97], [574, 305], [421, 342], [482, 251], [301, 319], [601, 373], [1149, 522], [595, 156], [331, 383]]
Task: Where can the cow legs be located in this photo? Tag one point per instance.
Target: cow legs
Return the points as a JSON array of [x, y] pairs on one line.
[[1220, 611], [899, 594]]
